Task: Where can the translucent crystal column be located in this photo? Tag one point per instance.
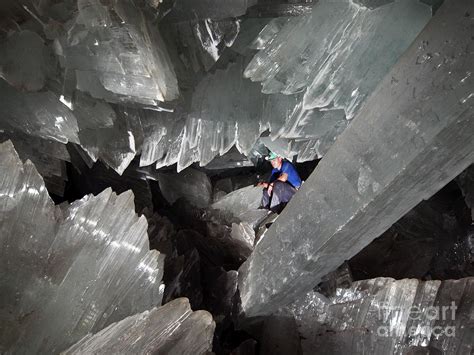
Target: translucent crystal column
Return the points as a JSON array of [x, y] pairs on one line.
[[171, 329]]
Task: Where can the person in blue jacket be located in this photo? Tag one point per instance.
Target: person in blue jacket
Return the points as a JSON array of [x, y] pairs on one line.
[[282, 185]]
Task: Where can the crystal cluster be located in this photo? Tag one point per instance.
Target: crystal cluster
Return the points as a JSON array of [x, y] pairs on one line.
[[107, 53], [114, 53], [201, 44], [49, 158], [346, 52], [38, 114], [327, 76], [387, 316], [107, 62], [88, 262], [226, 109]]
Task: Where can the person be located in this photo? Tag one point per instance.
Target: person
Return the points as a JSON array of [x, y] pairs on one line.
[[282, 185]]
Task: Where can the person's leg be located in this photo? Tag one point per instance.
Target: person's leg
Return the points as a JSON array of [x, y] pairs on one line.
[[281, 195], [265, 199]]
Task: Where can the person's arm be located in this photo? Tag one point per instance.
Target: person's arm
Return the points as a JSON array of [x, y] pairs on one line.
[[283, 177], [290, 170], [269, 185], [273, 177]]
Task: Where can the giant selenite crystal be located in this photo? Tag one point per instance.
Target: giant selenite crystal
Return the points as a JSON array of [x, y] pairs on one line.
[[327, 75], [108, 134], [48, 156], [387, 316], [39, 114], [190, 184], [17, 66], [411, 137], [227, 110], [114, 53], [346, 51], [68, 270], [201, 43], [171, 329], [243, 204]]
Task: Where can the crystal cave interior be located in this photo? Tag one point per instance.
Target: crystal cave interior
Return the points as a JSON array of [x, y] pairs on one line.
[[133, 134]]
